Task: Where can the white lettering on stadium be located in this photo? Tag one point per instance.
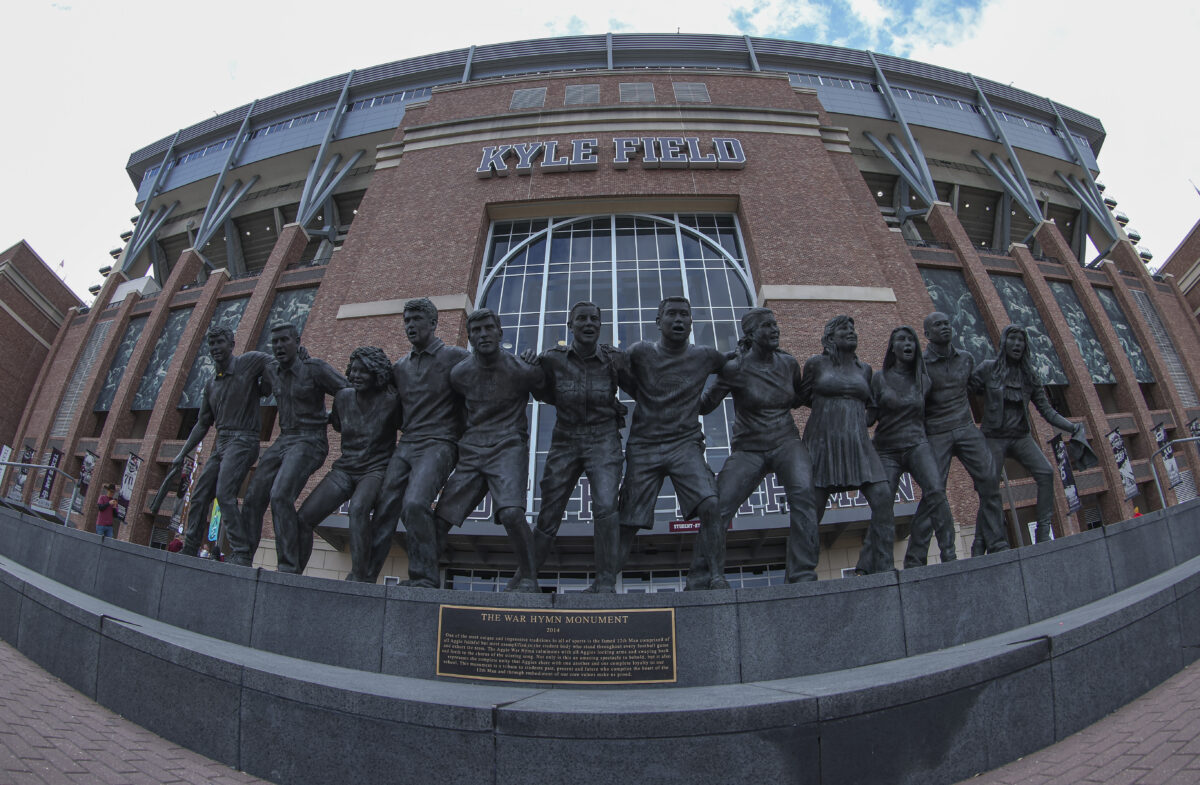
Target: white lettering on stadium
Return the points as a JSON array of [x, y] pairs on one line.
[[578, 155]]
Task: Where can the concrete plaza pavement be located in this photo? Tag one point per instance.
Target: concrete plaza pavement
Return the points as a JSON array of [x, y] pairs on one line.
[[51, 734]]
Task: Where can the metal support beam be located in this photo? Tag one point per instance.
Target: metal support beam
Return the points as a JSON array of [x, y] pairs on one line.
[[222, 200], [1093, 204], [312, 195], [1010, 174], [608, 49], [216, 218], [753, 57], [906, 164], [147, 223], [466, 77], [145, 232], [1086, 191], [915, 169]]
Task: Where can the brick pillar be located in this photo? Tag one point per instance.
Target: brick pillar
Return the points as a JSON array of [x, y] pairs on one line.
[[1081, 392], [165, 418], [287, 250], [1163, 384], [1129, 393], [85, 417], [49, 391], [120, 418], [946, 228]]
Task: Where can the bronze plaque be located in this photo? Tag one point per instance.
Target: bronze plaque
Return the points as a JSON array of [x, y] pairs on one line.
[[559, 647]]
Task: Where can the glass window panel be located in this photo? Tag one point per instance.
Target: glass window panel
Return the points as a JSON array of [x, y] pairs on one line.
[[647, 269], [1022, 311], [291, 306], [950, 295], [1085, 335], [116, 371], [1129, 342], [227, 314], [160, 360]]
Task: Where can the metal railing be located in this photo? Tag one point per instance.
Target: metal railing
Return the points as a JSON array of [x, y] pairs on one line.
[[1162, 499], [55, 469]]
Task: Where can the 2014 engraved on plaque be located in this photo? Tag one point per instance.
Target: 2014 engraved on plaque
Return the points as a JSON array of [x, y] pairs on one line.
[[620, 646]]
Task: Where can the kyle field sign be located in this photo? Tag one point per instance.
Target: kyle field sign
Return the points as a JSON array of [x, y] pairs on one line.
[[555, 646], [583, 155]]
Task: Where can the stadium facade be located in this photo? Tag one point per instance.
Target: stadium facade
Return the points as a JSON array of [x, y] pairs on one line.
[[525, 176]]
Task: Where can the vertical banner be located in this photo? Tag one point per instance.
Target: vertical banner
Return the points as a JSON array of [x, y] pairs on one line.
[[214, 522], [18, 487], [1123, 465], [46, 491], [1065, 474], [184, 491], [85, 478], [5, 456], [125, 494], [1168, 455]]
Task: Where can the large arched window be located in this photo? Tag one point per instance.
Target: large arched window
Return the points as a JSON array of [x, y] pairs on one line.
[[534, 270]]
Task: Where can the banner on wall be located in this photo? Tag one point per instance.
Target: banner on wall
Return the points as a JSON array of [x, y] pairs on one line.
[[184, 491], [1121, 456], [1168, 455], [5, 456], [85, 478], [17, 491], [132, 466], [46, 491], [1065, 474], [214, 522]]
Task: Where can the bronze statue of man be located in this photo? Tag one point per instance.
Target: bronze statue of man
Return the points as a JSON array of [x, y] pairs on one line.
[[952, 434], [1010, 383], [581, 383], [666, 378], [300, 384], [366, 415], [765, 382], [431, 423], [230, 402], [493, 453]]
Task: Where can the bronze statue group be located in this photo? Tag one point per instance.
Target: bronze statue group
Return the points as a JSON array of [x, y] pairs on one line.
[[463, 432]]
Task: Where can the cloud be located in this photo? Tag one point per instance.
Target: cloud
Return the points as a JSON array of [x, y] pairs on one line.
[[782, 19]]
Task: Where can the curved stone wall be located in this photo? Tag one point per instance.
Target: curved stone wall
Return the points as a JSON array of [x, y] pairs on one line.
[[927, 675]]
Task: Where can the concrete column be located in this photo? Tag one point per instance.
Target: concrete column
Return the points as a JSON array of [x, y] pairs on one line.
[[165, 419], [1081, 391], [120, 418]]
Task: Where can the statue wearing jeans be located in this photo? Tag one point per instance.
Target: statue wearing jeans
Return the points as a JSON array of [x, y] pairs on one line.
[[229, 401], [431, 423], [300, 384], [765, 383], [1010, 384], [952, 434]]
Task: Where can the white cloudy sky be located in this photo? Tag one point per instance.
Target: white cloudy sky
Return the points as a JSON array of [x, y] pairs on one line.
[[85, 82]]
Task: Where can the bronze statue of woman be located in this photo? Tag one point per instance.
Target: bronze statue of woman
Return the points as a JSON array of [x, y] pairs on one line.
[[1010, 383], [899, 390], [837, 386]]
